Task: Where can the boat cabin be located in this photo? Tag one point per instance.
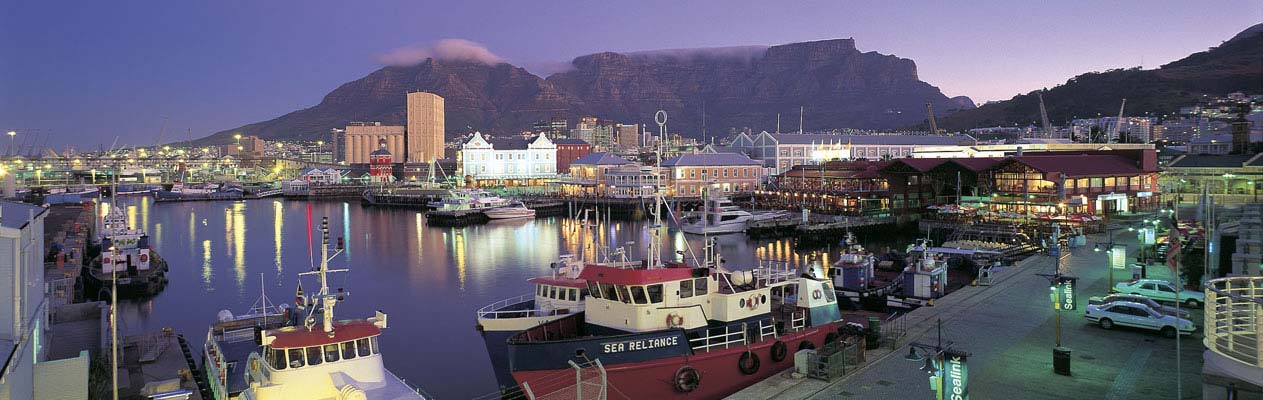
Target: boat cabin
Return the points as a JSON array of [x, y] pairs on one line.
[[313, 361]]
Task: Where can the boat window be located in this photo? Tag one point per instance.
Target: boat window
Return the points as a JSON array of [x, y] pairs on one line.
[[348, 350], [296, 358], [331, 352], [574, 294], [594, 290], [699, 286], [373, 340], [623, 294], [552, 292], [362, 346], [828, 291], [276, 358], [638, 293], [607, 292], [583, 293], [728, 217], [313, 355], [539, 290], [686, 288], [655, 293]]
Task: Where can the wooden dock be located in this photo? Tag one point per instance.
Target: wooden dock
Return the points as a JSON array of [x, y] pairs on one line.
[[817, 226]]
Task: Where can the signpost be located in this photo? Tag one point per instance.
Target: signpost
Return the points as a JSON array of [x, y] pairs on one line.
[[955, 376], [1065, 293]]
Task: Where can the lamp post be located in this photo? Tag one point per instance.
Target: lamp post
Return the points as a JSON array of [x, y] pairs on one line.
[[11, 135], [934, 356], [1109, 251]]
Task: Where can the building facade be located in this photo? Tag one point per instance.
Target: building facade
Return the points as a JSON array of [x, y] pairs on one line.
[[628, 136], [483, 164], [381, 165], [688, 175], [555, 128], [785, 150], [569, 150], [360, 139], [631, 181], [587, 174], [426, 132]]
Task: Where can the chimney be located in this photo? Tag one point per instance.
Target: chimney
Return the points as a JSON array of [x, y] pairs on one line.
[[1019, 151]]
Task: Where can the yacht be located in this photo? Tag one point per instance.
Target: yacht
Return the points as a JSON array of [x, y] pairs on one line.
[[515, 209], [320, 357], [556, 296], [468, 199], [719, 215]]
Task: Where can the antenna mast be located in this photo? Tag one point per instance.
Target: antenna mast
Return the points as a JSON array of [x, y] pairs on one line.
[[655, 250], [327, 300]]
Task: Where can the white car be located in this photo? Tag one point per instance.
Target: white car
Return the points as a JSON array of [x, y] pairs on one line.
[[1160, 291], [1097, 300], [1126, 313]]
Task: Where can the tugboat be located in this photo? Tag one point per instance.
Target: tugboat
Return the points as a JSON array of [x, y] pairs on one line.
[[556, 296], [924, 278], [230, 341], [855, 278], [320, 358], [125, 256]]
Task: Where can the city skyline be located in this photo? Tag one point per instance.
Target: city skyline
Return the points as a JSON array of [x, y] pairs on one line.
[[94, 72]]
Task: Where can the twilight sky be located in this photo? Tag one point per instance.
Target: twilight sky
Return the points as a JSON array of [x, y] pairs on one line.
[[89, 71]]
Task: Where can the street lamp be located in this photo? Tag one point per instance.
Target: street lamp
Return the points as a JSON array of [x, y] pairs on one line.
[[934, 355], [11, 135]]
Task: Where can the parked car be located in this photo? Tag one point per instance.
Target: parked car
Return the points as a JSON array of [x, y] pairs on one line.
[[1137, 315], [1161, 291], [1098, 300]]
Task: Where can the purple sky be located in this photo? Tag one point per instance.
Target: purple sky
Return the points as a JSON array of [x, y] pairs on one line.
[[94, 70]]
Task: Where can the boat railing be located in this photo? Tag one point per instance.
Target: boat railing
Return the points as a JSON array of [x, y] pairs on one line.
[[490, 310], [1234, 319], [725, 337], [774, 271], [798, 320], [414, 388]]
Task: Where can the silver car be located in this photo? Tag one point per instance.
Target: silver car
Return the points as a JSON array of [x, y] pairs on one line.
[[1136, 315], [1182, 313]]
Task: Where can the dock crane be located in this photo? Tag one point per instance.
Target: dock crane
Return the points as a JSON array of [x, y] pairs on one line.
[[1118, 124], [1043, 114], [929, 108]]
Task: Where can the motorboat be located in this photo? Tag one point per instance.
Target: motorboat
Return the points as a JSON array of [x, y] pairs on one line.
[[719, 215], [515, 209], [469, 199]]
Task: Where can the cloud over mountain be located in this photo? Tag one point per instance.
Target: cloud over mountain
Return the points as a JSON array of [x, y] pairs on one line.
[[445, 49]]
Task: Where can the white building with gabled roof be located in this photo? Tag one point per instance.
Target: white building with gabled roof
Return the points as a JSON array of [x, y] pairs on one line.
[[517, 162]]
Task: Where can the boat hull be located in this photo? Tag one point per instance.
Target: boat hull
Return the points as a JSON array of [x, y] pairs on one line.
[[655, 379], [492, 214]]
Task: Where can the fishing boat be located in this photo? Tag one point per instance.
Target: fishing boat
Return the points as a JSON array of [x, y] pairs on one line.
[[719, 215], [557, 295], [125, 257], [320, 357], [230, 340], [515, 209], [856, 280], [468, 199]]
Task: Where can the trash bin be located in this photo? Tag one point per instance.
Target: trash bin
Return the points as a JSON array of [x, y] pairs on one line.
[[1061, 361], [872, 340]]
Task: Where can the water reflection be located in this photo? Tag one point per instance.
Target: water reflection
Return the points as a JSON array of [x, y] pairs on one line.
[[278, 221], [207, 271]]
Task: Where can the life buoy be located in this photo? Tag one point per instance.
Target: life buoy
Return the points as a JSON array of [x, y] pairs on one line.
[[806, 345], [753, 302], [686, 379], [749, 363], [144, 258], [816, 294], [778, 351], [675, 320]]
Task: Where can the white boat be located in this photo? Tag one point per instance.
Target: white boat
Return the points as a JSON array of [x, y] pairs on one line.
[[719, 215], [469, 199], [513, 210], [320, 357]]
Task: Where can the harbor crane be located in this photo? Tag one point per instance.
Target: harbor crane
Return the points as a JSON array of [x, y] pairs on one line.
[[1118, 124], [929, 108], [1043, 114]]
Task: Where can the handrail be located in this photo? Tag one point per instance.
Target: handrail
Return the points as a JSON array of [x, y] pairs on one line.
[[1234, 319], [491, 308]]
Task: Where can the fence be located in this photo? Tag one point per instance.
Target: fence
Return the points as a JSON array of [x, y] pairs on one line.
[[1234, 319], [589, 383], [892, 330], [836, 359]]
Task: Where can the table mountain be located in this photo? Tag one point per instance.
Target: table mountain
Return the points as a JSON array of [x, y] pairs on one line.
[[838, 86]]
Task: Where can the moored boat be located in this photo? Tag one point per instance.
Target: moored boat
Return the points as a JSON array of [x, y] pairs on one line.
[[468, 199], [515, 209], [125, 258], [719, 215]]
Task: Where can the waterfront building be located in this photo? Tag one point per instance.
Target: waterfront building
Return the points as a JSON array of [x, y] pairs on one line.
[[1230, 178], [587, 174], [832, 187], [516, 163], [425, 128], [568, 150], [631, 181], [689, 174], [1105, 182], [381, 165], [359, 139], [24, 314], [1211, 144], [785, 150], [245, 147]]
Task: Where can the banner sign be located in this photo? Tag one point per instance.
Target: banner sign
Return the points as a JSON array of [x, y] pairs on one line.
[[955, 376], [1118, 257], [1064, 293]]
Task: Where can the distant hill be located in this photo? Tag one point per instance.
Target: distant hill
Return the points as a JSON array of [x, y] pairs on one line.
[[839, 86], [1235, 65]]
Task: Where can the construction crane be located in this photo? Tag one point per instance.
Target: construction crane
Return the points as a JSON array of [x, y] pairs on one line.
[[157, 143], [1118, 123], [929, 108], [1043, 114]]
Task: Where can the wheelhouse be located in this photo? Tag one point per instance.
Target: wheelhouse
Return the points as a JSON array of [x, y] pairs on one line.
[[292, 348]]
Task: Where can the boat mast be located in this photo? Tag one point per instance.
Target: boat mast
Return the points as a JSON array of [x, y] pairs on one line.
[[654, 257], [327, 300]]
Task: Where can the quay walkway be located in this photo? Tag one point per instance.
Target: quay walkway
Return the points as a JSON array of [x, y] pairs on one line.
[[1008, 329]]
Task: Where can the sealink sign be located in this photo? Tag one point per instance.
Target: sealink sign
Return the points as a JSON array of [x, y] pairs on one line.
[[1064, 293], [955, 376]]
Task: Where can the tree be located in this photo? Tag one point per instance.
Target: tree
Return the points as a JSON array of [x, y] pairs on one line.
[[1193, 261]]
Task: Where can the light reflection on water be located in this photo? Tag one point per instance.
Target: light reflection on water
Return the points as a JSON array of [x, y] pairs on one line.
[[430, 280]]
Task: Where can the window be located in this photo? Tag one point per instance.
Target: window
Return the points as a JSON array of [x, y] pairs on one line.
[[313, 356], [607, 292], [574, 294], [699, 286], [594, 290], [552, 292], [828, 291], [1147, 286], [655, 293], [373, 341], [638, 294], [623, 294], [348, 350], [361, 345], [331, 352], [539, 290], [276, 358], [296, 358], [1165, 288], [686, 289]]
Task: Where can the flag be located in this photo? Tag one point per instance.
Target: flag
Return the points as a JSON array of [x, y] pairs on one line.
[[1173, 252]]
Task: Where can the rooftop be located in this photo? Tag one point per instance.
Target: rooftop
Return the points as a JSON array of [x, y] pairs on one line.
[[866, 140], [1216, 161], [297, 336], [600, 158], [709, 159], [1083, 165], [16, 215]]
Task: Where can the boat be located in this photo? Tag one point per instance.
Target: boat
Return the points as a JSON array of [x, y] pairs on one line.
[[856, 280], [719, 215], [125, 257], [924, 278], [468, 199], [654, 328], [229, 342], [557, 295], [320, 357], [515, 209]]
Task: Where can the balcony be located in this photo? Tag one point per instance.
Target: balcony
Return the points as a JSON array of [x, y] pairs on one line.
[[1234, 328]]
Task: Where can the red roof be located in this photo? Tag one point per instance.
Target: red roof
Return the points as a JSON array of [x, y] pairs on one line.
[[1082, 165], [630, 276], [298, 336], [566, 282], [977, 164], [922, 164]]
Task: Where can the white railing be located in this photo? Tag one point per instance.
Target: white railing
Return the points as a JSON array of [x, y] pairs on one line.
[[797, 321], [490, 312], [725, 337], [774, 271], [1234, 319]]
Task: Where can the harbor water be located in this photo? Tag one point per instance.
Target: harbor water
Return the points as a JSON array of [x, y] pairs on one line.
[[430, 280]]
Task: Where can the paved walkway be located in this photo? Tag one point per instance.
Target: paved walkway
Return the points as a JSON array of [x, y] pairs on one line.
[[1009, 330]]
